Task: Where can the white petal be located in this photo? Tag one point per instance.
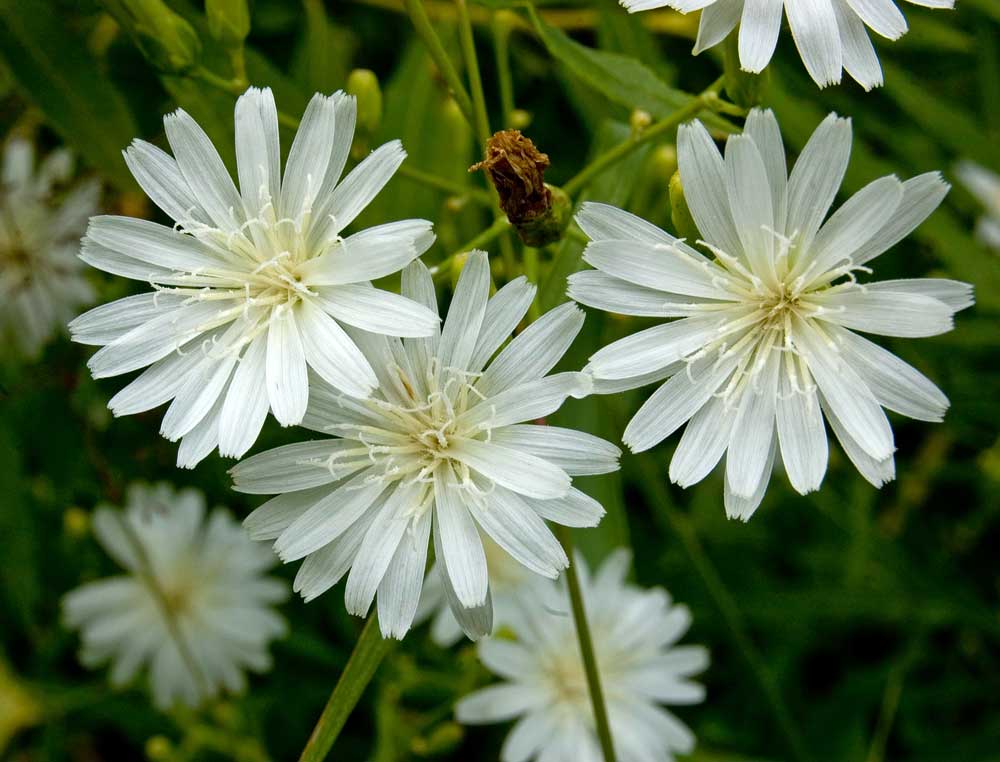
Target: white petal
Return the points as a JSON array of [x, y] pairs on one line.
[[814, 28], [703, 175], [159, 383], [417, 284], [246, 406], [378, 311], [363, 183], [753, 430], [270, 519], [953, 293], [660, 266], [895, 384], [593, 288], [462, 553], [104, 324], [377, 549], [575, 452], [151, 243], [309, 156], [746, 178], [198, 443], [921, 196], [399, 592], [533, 352], [465, 315], [886, 312], [860, 59], [574, 509], [328, 518], [515, 469], [877, 472], [882, 16], [157, 172], [759, 29], [475, 621], [742, 508], [333, 354], [287, 382], [853, 225], [297, 466], [674, 402], [652, 349], [505, 309], [702, 444], [528, 402], [717, 21], [369, 254], [325, 567], [197, 396], [496, 703], [258, 155], [203, 170], [845, 393], [603, 222], [801, 434], [516, 528], [762, 127], [816, 178]]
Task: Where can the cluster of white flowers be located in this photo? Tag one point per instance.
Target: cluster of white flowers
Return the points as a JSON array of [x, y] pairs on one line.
[[829, 34], [194, 605], [42, 284], [634, 632]]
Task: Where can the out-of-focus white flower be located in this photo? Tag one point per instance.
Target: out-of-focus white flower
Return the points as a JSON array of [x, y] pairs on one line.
[[634, 632], [765, 344], [42, 284], [985, 186], [829, 34], [195, 605], [443, 444], [252, 287], [506, 578]]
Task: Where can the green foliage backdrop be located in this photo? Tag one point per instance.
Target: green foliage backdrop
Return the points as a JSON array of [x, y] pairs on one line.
[[852, 624]]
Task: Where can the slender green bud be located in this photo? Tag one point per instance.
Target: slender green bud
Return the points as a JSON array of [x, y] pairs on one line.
[[167, 41], [743, 88], [442, 739], [228, 21], [683, 221], [363, 85]]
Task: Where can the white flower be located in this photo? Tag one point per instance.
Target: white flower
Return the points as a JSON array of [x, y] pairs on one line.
[[829, 34], [507, 576], [985, 186], [442, 444], [194, 606], [41, 279], [633, 633], [253, 286], [764, 348]]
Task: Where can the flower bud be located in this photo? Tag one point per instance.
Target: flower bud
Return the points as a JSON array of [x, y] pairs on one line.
[[538, 211], [228, 21], [363, 85], [168, 42], [684, 224]]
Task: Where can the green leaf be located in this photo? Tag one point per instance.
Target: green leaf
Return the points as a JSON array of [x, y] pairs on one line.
[[52, 65], [323, 57]]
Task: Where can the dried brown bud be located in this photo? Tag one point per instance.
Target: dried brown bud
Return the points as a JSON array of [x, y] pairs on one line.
[[516, 168]]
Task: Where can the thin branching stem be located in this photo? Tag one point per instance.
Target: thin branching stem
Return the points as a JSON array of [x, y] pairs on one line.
[[424, 29]]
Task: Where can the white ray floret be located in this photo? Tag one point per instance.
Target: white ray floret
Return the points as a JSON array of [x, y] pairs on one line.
[[442, 449], [252, 287], [194, 607], [985, 186], [830, 34], [42, 283], [764, 346], [634, 633]]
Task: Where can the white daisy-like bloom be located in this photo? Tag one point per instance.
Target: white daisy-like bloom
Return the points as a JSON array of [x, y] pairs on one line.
[[442, 449], [765, 344], [634, 633], [830, 34], [42, 283], [507, 576], [251, 287], [194, 606], [985, 186]]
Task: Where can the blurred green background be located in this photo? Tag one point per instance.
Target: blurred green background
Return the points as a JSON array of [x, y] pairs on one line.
[[852, 624]]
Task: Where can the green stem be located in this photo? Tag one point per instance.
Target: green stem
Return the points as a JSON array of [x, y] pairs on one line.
[[505, 79], [481, 118], [708, 99], [651, 482], [233, 86], [368, 653], [422, 25], [601, 723], [444, 184]]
